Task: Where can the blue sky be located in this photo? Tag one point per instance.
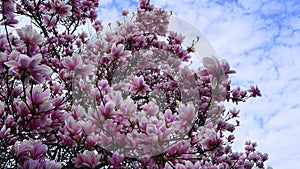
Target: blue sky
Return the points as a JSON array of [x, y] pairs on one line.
[[260, 39]]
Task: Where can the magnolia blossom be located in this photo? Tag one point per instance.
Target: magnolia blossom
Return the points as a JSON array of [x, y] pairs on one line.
[[39, 150], [59, 7], [125, 12], [115, 160], [31, 39], [254, 91], [8, 13], [74, 63], [118, 52], [40, 99], [29, 68], [29, 36], [139, 86], [87, 159], [3, 59]]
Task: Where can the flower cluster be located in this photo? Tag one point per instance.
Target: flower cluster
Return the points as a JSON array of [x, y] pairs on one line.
[[124, 98]]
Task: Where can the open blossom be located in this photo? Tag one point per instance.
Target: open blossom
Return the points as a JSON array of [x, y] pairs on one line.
[[22, 150], [74, 63], [139, 86], [61, 9], [39, 99], [213, 66], [186, 113], [29, 36], [254, 90], [39, 150], [36, 164], [29, 68], [107, 111], [87, 159], [176, 38], [115, 160], [118, 52], [50, 23], [210, 139], [169, 117]]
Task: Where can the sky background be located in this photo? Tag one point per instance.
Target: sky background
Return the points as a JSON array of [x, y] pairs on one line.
[[260, 39]]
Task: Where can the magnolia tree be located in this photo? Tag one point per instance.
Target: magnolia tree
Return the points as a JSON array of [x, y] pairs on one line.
[[125, 97]]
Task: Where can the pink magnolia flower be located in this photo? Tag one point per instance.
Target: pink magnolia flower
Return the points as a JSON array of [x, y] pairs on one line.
[[118, 52], [32, 164], [108, 110], [226, 68], [72, 63], [50, 23], [87, 159], [175, 37], [115, 160], [128, 108], [21, 150], [151, 109], [39, 150], [179, 148], [215, 69], [4, 131], [59, 7], [212, 142], [29, 36], [29, 68], [40, 99], [9, 121], [125, 12], [3, 45], [47, 164], [91, 140], [169, 116], [72, 127], [210, 138], [71, 132], [254, 91], [212, 65], [98, 26], [187, 113], [138, 86], [8, 12]]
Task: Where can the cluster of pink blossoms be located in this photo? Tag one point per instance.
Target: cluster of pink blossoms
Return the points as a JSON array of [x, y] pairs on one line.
[[121, 99]]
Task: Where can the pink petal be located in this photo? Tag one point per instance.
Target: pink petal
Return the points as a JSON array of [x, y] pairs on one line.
[[37, 78], [12, 63]]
